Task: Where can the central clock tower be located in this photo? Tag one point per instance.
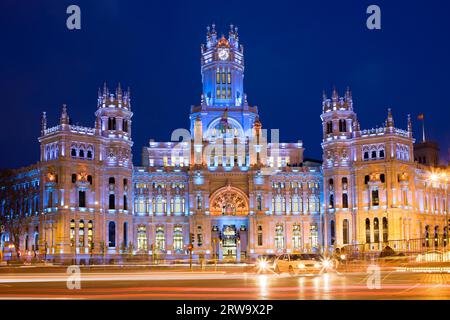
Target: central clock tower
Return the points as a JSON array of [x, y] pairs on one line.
[[222, 69], [223, 98]]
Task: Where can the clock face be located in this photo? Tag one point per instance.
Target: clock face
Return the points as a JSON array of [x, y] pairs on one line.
[[223, 54]]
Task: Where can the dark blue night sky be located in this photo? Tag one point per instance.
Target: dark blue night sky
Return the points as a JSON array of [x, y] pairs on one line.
[[293, 50]]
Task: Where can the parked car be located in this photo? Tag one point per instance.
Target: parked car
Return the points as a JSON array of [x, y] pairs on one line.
[[302, 263]]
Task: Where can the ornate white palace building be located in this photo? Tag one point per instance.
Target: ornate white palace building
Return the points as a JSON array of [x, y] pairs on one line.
[[225, 189]]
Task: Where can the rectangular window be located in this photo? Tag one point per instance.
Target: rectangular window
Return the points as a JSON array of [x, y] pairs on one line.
[[375, 198], [82, 199]]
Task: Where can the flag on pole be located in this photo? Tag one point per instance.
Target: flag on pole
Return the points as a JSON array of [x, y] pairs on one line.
[[422, 117]]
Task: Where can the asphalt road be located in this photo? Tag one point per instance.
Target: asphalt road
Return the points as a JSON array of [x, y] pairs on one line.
[[221, 285]]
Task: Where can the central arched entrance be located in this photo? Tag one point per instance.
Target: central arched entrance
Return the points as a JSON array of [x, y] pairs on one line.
[[229, 210]]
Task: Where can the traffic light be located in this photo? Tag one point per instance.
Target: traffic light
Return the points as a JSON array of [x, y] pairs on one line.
[[192, 238]]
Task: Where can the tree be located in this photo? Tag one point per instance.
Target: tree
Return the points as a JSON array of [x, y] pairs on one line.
[[13, 217]]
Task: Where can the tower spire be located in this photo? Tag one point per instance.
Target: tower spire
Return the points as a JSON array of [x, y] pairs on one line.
[[390, 119], [64, 115], [43, 122]]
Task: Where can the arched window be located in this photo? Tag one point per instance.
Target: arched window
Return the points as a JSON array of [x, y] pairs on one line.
[[367, 230], [81, 154], [385, 229], [279, 237], [82, 199], [90, 234], [344, 182], [89, 154], [344, 200], [376, 230], [125, 125], [112, 180], [81, 234], [73, 152], [112, 202], [332, 232], [345, 231], [366, 155], [427, 236], [381, 154], [374, 154], [111, 234]]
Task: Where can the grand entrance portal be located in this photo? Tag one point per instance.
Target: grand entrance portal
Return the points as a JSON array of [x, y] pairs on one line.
[[229, 222], [229, 242]]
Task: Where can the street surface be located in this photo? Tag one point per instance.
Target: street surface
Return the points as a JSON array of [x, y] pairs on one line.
[[183, 284]]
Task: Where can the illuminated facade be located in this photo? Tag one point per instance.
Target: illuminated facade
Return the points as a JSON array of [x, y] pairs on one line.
[[375, 193], [224, 188]]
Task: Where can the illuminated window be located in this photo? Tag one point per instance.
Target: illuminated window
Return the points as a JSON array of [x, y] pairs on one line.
[[142, 238], [90, 235], [72, 233], [385, 229], [314, 236], [229, 77], [296, 237], [81, 233], [345, 231], [178, 238], [160, 239], [279, 237], [376, 230]]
